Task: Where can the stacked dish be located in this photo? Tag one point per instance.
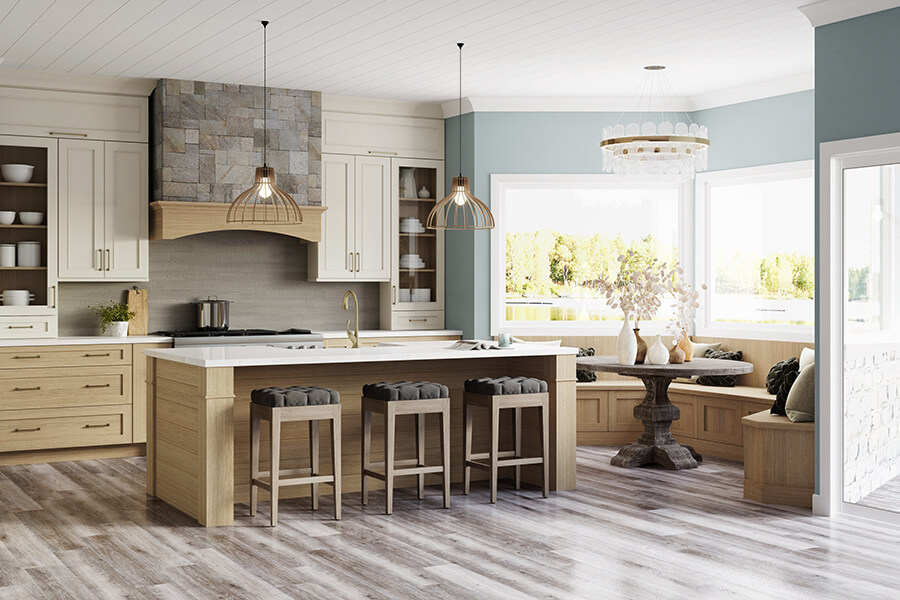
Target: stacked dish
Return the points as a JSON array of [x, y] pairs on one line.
[[411, 225], [411, 261]]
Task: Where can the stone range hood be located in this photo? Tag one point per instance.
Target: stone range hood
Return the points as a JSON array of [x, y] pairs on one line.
[[206, 142]]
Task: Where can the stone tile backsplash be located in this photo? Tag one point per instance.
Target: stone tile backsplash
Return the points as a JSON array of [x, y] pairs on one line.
[[264, 275], [207, 140]]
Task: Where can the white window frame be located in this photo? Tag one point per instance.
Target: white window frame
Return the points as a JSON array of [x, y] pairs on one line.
[[704, 326], [502, 183]]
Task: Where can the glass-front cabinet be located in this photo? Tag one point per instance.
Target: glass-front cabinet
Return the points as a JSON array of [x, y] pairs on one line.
[[414, 298], [28, 237]]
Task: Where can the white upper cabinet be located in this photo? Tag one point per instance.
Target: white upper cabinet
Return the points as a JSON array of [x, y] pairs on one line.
[[103, 211], [378, 135], [50, 113], [356, 228]]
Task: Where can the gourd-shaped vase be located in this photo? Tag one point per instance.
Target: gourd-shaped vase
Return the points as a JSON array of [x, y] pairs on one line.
[[626, 344], [686, 345], [641, 347], [676, 355], [657, 354]]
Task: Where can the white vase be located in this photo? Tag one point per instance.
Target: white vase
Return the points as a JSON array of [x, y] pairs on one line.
[[626, 344], [117, 329], [658, 354]]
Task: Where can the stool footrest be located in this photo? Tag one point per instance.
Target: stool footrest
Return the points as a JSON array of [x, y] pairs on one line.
[[501, 454], [421, 470], [267, 484], [508, 462]]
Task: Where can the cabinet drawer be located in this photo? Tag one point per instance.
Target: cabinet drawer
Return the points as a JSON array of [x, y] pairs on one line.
[[418, 320], [64, 427], [64, 387], [25, 357], [28, 327]]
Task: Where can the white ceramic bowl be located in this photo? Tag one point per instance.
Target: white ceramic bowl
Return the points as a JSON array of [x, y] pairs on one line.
[[31, 218], [7, 217], [17, 297], [17, 173]]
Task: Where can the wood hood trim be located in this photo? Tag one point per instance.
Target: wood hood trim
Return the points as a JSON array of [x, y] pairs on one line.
[[170, 220]]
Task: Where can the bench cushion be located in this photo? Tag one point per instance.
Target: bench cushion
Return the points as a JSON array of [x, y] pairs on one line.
[[299, 395], [406, 390], [499, 386]]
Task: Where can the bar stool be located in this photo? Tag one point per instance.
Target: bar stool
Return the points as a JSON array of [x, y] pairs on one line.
[[284, 405], [496, 394], [404, 398]]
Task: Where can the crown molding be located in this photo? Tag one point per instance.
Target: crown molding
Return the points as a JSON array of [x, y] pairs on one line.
[[825, 12], [375, 106], [67, 82]]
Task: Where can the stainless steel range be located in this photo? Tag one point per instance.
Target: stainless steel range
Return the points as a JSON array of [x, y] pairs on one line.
[[297, 339]]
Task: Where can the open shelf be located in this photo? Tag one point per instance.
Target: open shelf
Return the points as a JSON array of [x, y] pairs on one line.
[[418, 234], [23, 268], [18, 226], [417, 270], [25, 185], [417, 200]]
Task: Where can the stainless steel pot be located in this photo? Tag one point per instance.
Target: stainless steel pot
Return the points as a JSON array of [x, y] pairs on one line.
[[212, 314]]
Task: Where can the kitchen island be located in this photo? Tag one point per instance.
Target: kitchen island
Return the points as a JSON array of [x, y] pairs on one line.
[[199, 405]]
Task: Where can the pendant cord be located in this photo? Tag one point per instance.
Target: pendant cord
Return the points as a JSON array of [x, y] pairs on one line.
[[265, 96], [460, 44]]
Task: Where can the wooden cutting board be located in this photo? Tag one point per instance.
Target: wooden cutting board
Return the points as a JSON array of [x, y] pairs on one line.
[[137, 303]]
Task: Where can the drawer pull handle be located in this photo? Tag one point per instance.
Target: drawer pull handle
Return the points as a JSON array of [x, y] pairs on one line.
[[20, 326], [414, 320], [89, 355], [96, 385], [382, 152], [33, 429], [89, 426], [31, 389], [68, 133], [27, 356]]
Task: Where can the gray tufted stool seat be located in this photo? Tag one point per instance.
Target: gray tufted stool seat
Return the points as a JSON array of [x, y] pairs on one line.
[[495, 394], [391, 399], [277, 405]]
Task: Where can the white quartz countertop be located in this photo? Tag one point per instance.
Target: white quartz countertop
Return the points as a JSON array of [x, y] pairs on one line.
[[87, 340], [387, 333], [255, 356]]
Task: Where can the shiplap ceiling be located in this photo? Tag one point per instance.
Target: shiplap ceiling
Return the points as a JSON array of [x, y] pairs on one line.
[[406, 49]]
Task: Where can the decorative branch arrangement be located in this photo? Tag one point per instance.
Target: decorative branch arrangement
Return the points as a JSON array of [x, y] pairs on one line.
[[638, 287], [686, 304]]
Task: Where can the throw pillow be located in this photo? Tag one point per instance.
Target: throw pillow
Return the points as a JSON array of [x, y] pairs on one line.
[[779, 381], [582, 374], [700, 349], [807, 357], [721, 380], [801, 400]]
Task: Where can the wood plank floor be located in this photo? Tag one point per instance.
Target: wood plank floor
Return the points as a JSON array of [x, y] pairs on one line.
[[886, 497], [87, 530]]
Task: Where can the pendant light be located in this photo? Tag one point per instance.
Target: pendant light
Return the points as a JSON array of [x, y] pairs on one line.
[[460, 209], [265, 202]]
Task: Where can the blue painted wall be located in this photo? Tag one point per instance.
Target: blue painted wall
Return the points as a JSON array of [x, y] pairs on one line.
[[857, 87], [765, 131]]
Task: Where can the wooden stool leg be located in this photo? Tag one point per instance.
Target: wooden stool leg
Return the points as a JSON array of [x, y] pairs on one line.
[[314, 460], [517, 436], [495, 448], [467, 451], [445, 453], [274, 462], [543, 411], [366, 452], [420, 452], [254, 462], [336, 463], [389, 428]]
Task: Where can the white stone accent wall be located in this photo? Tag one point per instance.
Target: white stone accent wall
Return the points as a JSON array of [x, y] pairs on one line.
[[871, 418]]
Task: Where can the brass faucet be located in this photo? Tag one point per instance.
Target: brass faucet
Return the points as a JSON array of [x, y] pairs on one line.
[[354, 334]]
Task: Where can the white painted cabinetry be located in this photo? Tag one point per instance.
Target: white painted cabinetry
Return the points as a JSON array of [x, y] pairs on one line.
[[103, 211], [356, 228], [381, 135]]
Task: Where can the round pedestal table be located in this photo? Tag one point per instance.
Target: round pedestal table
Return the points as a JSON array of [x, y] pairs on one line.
[[656, 445]]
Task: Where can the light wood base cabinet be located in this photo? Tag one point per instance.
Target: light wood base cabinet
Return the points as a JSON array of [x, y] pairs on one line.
[[779, 460]]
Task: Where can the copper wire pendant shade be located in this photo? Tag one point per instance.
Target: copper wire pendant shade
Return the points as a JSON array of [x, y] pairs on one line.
[[265, 202], [460, 209]]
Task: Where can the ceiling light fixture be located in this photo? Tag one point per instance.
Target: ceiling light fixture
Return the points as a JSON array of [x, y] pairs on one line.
[[655, 150], [460, 209], [265, 202]]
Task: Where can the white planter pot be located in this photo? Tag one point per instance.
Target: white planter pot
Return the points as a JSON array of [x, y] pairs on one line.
[[117, 329], [626, 344]]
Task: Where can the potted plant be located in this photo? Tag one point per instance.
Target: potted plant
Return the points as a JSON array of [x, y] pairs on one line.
[[114, 317]]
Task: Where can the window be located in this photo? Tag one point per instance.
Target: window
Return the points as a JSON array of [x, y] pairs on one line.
[[557, 235], [755, 250]]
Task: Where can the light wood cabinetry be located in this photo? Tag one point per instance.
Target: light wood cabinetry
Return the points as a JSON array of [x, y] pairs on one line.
[[38, 195], [779, 460], [378, 135], [414, 297], [355, 242], [104, 219]]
